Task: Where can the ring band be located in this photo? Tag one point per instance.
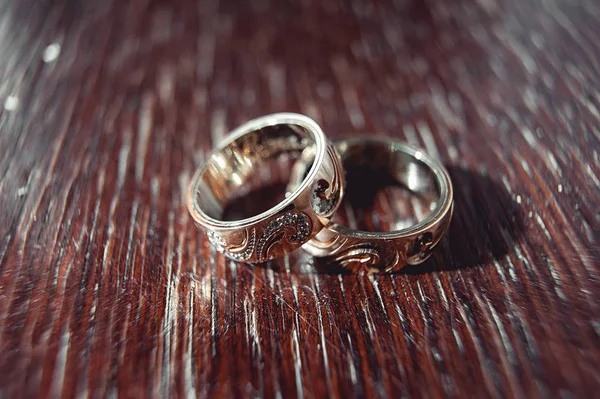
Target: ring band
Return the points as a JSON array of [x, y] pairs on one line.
[[294, 220], [391, 250]]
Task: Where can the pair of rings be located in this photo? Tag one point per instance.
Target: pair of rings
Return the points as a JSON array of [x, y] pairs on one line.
[[315, 191]]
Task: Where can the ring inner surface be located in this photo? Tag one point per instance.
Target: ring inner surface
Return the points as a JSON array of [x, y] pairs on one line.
[[387, 189], [247, 177]]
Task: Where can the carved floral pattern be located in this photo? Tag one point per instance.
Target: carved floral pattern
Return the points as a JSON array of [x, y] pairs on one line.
[[326, 196], [294, 227]]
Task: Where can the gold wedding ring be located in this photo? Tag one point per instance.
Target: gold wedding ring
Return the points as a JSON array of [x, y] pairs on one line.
[[294, 220], [367, 251]]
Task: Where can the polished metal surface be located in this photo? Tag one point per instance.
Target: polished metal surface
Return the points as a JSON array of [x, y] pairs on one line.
[[387, 251], [243, 154]]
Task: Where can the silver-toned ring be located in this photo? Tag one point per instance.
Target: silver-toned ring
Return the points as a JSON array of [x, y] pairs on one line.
[[369, 252], [294, 220]]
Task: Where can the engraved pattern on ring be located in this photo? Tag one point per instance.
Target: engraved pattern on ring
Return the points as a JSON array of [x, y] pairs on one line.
[[326, 195], [241, 251], [367, 257], [294, 227]]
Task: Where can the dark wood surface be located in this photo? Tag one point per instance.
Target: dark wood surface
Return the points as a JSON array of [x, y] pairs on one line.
[[108, 289]]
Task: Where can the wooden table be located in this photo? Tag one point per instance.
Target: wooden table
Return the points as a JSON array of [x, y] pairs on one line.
[[108, 289]]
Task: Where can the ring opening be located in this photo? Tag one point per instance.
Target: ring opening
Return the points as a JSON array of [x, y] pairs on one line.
[[389, 187], [248, 175]]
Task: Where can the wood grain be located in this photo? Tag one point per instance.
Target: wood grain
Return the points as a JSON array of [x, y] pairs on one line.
[[107, 288]]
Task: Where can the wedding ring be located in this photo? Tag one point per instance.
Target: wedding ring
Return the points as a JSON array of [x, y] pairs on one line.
[[243, 155], [411, 168]]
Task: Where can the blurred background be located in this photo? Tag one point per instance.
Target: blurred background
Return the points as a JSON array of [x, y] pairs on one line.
[[107, 288]]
